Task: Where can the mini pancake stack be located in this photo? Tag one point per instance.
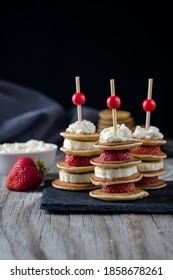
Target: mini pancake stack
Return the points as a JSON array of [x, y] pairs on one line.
[[152, 164], [149, 152], [78, 145], [116, 171], [76, 169], [105, 119]]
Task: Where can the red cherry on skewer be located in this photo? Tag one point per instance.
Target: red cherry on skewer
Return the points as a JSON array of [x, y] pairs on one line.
[[149, 105], [113, 102], [78, 98]]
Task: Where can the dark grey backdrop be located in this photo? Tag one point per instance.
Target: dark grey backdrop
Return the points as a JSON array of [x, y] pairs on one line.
[[44, 46]]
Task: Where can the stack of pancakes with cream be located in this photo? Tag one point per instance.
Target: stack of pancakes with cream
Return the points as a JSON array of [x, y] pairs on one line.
[[123, 117], [116, 169], [78, 145], [151, 157]]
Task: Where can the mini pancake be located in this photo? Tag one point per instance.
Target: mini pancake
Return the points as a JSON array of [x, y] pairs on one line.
[[80, 136], [101, 181], [136, 194], [81, 152], [57, 183], [158, 185], [107, 114], [150, 157], [152, 142], [153, 173], [118, 145], [74, 169], [110, 121], [113, 164]]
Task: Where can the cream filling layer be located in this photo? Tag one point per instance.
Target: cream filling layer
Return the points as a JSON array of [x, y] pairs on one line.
[[75, 178], [78, 145], [115, 173], [150, 166]]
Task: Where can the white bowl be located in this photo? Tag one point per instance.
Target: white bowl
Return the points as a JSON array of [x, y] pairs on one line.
[[8, 159]]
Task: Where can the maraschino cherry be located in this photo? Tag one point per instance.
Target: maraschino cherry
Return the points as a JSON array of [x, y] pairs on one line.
[[113, 102], [149, 105], [78, 98]]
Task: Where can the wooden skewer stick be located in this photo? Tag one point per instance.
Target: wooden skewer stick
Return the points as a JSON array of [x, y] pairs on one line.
[[79, 108], [114, 112], [148, 114]]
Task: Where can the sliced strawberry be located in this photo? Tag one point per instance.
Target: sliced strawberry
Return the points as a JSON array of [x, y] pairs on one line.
[[116, 155], [119, 188], [148, 180], [73, 160], [147, 150]]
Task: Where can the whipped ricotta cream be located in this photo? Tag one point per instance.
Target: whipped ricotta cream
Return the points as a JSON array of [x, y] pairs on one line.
[[115, 173], [122, 134], [151, 133], [83, 126], [75, 178], [26, 147], [78, 145]]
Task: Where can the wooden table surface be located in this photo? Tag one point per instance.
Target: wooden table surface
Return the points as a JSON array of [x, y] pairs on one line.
[[27, 232]]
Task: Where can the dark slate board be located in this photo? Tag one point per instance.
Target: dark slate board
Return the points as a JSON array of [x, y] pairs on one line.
[[61, 201]]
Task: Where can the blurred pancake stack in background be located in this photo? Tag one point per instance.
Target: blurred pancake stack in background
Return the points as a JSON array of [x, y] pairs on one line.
[[105, 119]]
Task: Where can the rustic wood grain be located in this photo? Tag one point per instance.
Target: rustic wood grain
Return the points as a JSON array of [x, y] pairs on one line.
[[26, 232]]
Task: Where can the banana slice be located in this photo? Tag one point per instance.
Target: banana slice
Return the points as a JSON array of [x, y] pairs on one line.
[[150, 166], [111, 173], [75, 178]]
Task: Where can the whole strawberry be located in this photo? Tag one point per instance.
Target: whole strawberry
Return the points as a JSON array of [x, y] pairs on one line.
[[25, 174]]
